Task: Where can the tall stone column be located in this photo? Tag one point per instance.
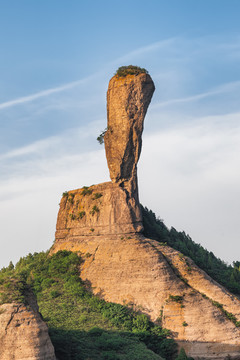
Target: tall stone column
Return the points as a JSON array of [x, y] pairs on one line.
[[127, 103], [128, 99]]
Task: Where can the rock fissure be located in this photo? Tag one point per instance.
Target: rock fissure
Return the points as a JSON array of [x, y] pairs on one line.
[[14, 312]]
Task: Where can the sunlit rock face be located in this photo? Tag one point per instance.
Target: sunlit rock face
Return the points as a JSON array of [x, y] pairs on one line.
[[23, 334], [103, 224], [117, 210], [128, 99]]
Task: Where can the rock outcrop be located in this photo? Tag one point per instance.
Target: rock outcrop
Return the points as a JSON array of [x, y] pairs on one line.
[[103, 224], [23, 334], [101, 209], [170, 288], [128, 99], [113, 207]]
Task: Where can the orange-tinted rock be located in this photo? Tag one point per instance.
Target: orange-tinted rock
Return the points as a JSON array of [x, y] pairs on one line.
[[142, 272], [128, 99], [120, 265], [103, 209], [23, 334]]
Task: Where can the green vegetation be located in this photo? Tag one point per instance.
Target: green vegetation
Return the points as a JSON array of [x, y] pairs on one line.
[[65, 194], [97, 196], [184, 323], [100, 138], [176, 298], [72, 216], [86, 191], [229, 315], [81, 214], [226, 275], [70, 198], [182, 355], [94, 210], [81, 325], [130, 70]]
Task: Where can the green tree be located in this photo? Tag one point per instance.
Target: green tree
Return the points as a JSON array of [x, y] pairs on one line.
[[182, 355]]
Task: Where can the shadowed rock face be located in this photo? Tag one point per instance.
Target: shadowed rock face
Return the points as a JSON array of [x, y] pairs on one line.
[[127, 103]]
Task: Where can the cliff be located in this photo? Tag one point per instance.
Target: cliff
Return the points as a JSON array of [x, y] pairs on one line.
[[157, 280], [103, 223], [23, 334]]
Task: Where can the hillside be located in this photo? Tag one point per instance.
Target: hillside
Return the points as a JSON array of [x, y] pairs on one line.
[[109, 291], [149, 274], [226, 275], [82, 326]]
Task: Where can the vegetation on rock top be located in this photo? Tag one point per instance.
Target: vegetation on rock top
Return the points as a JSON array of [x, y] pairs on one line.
[[123, 71]]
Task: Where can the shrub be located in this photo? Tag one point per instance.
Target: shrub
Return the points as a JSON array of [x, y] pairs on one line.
[[70, 198], [81, 214], [86, 191], [94, 210], [72, 216], [182, 355], [54, 294], [97, 196], [141, 323], [176, 298], [100, 137], [184, 323], [130, 70], [65, 194]]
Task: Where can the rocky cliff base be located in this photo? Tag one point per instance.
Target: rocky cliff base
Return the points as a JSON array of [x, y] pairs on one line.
[[167, 286], [23, 334]]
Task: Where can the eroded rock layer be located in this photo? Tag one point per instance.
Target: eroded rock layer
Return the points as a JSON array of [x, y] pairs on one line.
[[23, 334], [103, 209], [168, 287]]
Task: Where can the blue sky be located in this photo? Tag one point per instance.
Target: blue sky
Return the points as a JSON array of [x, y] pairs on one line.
[[56, 60]]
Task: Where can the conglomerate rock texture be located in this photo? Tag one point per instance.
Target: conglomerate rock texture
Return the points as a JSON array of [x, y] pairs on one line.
[[23, 334]]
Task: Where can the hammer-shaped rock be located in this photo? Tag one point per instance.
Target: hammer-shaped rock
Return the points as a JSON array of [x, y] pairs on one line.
[[127, 103]]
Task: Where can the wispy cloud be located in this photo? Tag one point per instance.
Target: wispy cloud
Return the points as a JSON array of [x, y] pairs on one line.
[[146, 49], [219, 90], [45, 93]]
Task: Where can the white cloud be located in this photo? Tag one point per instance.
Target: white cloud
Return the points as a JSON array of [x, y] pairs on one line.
[[190, 177], [188, 171], [225, 88], [44, 93]]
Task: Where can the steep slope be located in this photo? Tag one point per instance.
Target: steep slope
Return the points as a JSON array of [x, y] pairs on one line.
[[153, 277], [82, 326], [123, 266]]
